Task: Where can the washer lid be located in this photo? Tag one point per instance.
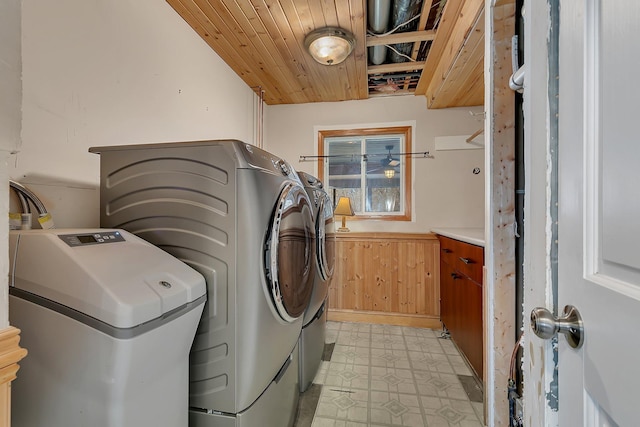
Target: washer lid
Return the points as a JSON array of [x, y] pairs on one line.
[[123, 282]]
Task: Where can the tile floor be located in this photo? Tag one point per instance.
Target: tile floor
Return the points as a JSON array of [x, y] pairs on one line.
[[381, 376]]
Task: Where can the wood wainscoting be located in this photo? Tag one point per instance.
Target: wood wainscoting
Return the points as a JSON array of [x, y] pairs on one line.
[[10, 354], [389, 278]]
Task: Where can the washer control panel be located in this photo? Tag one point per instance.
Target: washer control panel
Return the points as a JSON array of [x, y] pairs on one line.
[[258, 158], [96, 238]]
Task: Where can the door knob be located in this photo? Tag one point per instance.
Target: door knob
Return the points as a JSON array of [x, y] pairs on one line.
[[545, 325]]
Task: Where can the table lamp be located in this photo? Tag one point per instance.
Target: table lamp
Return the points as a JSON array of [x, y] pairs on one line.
[[344, 208]]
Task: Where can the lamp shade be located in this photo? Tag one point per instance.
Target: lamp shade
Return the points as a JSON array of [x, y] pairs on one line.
[[329, 45], [390, 172], [344, 207]]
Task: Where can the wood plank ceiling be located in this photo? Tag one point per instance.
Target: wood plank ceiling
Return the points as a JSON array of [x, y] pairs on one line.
[[263, 42]]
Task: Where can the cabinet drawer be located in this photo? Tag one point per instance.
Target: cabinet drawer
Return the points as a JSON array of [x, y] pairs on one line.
[[465, 257], [470, 261], [448, 250]]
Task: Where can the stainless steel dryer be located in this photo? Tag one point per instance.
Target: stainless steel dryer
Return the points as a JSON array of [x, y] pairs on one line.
[[240, 216], [311, 345]]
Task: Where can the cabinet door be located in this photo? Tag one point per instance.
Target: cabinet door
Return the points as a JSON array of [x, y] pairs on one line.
[[447, 304], [470, 341], [455, 312], [461, 297]]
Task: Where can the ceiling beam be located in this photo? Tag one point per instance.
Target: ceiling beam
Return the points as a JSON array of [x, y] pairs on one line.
[[451, 59], [409, 37], [422, 25], [395, 67], [449, 17]]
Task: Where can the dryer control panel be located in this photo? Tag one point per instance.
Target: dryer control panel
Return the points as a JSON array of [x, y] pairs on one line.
[[261, 159]]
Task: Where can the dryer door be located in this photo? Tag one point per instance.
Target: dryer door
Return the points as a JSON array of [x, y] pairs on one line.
[[325, 237], [289, 253]]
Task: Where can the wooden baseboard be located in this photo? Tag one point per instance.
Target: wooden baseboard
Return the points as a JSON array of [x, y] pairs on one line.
[[10, 354], [380, 318]]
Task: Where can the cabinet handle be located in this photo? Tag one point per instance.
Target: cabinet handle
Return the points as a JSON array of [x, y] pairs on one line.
[[466, 260], [447, 251], [454, 276]]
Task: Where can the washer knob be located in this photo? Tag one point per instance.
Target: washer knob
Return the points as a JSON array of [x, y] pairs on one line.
[[284, 167]]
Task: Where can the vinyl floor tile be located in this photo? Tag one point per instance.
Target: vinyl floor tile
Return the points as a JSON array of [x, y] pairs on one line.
[[392, 376]]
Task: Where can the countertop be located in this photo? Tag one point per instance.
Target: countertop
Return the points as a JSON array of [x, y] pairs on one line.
[[475, 236]]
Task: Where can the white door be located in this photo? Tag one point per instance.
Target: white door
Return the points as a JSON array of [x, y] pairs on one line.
[[599, 210]]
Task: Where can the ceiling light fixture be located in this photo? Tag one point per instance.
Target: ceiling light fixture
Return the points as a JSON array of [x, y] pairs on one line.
[[390, 172], [329, 45]]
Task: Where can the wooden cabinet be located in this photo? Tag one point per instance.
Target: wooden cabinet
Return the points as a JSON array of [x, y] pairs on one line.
[[461, 298], [389, 278]]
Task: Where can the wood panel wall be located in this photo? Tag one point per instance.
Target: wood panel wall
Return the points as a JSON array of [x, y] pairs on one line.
[[10, 354], [390, 278]]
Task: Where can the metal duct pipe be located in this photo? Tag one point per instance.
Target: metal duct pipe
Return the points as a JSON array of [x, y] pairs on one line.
[[378, 12], [404, 11]]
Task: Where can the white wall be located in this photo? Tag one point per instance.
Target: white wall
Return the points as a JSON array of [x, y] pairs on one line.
[[10, 117], [10, 70], [106, 72], [446, 192]]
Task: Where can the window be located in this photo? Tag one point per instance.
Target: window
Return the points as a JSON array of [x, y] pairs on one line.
[[365, 165]]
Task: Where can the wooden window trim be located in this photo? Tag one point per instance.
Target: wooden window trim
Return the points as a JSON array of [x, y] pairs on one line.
[[404, 130]]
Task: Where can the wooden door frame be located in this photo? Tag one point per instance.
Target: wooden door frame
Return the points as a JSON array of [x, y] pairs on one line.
[[500, 264]]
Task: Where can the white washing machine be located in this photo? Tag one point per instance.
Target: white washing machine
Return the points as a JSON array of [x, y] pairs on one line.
[[312, 337], [241, 217], [108, 320]]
